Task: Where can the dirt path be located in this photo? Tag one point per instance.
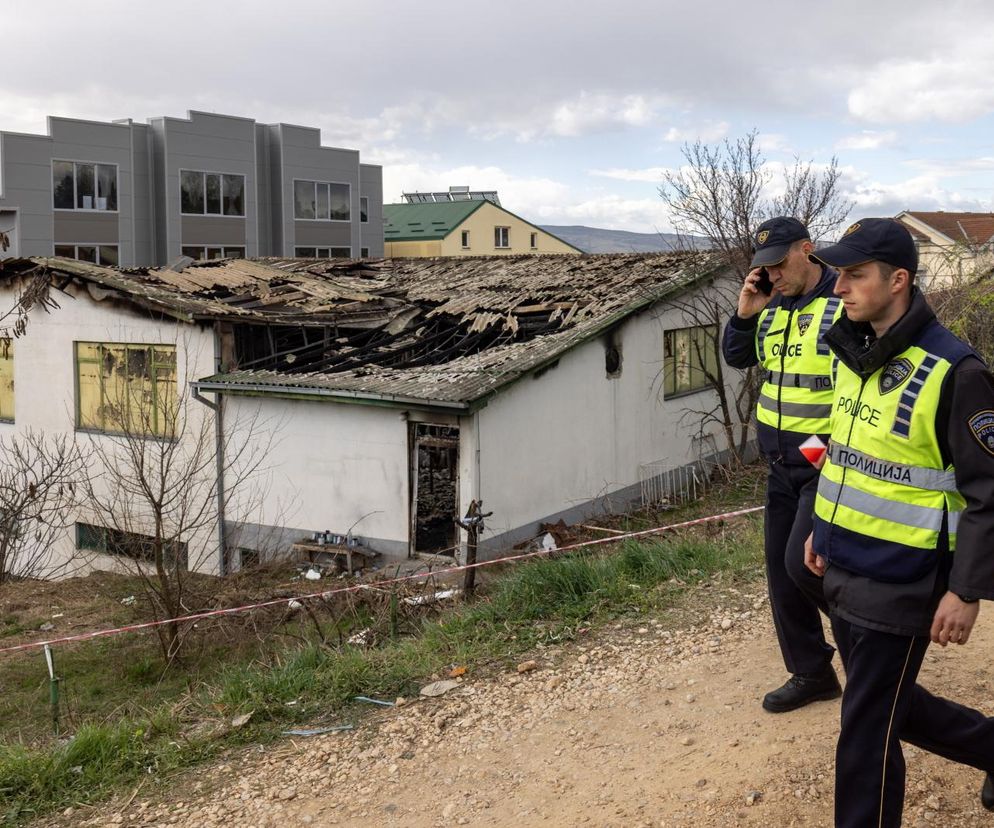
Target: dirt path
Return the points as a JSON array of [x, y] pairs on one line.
[[640, 727]]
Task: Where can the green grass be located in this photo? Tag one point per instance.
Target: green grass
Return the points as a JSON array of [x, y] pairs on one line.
[[541, 602]]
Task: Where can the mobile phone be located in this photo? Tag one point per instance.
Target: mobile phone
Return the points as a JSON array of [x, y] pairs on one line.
[[764, 284]]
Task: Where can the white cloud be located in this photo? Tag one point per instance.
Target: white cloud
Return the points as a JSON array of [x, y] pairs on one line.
[[652, 175], [539, 200], [583, 114], [920, 192], [868, 139], [773, 142], [705, 132], [955, 87]]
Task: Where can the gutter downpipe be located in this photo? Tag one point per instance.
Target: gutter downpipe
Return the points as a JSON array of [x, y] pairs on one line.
[[218, 408]]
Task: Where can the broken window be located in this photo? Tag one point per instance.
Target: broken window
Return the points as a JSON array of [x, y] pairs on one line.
[[129, 545], [126, 388], [689, 359], [435, 489]]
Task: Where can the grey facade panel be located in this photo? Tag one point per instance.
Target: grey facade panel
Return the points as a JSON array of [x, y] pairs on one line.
[[143, 216], [82, 228], [211, 230], [371, 188], [322, 233], [157, 128], [150, 228], [265, 200]]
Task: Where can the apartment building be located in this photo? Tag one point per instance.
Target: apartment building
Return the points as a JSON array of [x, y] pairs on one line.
[[204, 186]]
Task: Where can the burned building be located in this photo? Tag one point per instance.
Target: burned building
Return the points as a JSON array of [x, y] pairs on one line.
[[399, 391]]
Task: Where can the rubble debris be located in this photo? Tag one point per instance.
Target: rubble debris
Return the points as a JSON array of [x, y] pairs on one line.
[[440, 688], [431, 598], [446, 330], [318, 731], [380, 702]]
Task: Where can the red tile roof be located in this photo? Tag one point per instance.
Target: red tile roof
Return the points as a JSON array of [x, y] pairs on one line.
[[972, 228]]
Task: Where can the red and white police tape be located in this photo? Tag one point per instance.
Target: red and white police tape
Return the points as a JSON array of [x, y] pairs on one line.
[[196, 616]]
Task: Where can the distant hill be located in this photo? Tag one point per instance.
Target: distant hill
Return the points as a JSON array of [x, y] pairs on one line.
[[599, 240]]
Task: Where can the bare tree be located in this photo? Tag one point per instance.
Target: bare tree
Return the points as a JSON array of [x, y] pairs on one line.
[[722, 194], [41, 479], [163, 484]]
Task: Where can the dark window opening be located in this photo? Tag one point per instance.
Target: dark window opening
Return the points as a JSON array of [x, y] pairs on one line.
[[141, 548], [612, 354]]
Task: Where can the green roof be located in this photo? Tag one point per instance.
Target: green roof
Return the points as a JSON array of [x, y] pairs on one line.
[[415, 222]]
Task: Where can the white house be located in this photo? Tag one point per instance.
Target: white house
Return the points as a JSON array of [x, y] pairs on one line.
[[952, 247], [381, 398]]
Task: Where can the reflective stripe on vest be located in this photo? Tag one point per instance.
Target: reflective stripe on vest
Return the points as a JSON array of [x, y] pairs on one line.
[[906, 407], [892, 511], [764, 327], [797, 393], [815, 382], [810, 411], [920, 478], [827, 319]]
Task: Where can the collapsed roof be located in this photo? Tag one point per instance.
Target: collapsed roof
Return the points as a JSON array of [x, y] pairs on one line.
[[439, 332]]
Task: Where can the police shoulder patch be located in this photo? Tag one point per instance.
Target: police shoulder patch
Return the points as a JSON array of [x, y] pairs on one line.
[[894, 374], [981, 424], [804, 322]]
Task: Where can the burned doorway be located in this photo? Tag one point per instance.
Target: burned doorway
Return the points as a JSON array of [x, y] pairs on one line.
[[434, 488]]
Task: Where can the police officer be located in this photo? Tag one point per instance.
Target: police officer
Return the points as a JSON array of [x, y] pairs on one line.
[[781, 329], [904, 518]]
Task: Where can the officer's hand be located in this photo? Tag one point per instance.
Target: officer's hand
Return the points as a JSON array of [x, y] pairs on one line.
[[954, 620], [751, 299], [812, 560]]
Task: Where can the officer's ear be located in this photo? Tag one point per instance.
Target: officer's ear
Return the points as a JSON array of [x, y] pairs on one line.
[[900, 280], [807, 247]]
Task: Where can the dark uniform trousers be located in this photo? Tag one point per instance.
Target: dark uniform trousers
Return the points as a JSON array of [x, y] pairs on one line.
[[883, 706], [795, 592]]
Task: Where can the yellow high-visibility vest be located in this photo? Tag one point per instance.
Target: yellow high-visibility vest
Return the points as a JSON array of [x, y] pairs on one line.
[[886, 497], [797, 383]]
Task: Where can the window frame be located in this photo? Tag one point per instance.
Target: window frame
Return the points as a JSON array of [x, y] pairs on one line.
[[221, 193], [96, 185], [363, 208], [109, 537], [464, 238], [317, 251], [293, 191], [672, 388], [506, 236], [206, 248], [151, 347], [96, 245]]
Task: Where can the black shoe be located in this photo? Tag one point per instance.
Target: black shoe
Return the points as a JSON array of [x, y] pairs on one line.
[[803, 688], [987, 793]]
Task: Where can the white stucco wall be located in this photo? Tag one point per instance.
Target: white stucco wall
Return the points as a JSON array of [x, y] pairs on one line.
[[44, 380], [573, 435], [330, 466]]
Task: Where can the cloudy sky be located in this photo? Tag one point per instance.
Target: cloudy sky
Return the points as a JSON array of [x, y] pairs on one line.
[[572, 110]]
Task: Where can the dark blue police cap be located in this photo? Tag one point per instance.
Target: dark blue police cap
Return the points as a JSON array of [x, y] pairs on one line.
[[872, 240], [774, 238]]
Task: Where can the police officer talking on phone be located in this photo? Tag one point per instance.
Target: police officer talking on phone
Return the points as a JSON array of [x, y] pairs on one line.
[[785, 308]]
